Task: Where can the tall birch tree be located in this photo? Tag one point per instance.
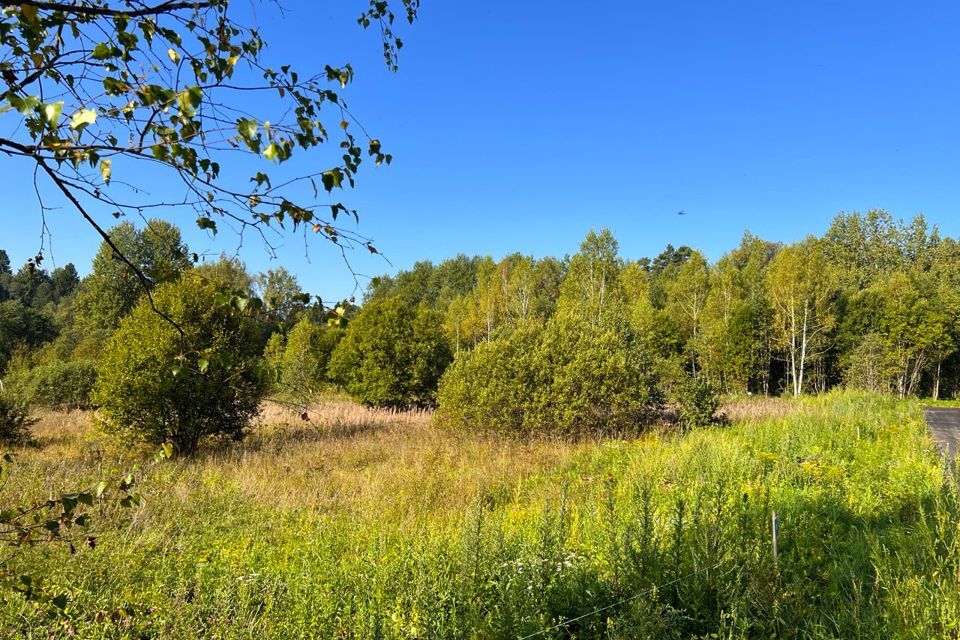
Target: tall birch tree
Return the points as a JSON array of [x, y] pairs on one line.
[[802, 289]]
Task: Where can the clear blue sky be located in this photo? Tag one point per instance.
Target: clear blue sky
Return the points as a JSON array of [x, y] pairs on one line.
[[518, 126]]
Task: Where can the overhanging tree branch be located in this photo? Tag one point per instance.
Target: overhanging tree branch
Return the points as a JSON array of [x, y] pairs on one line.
[[140, 275], [101, 86], [94, 10]]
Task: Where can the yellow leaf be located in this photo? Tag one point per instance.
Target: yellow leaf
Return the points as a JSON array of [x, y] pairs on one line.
[[52, 111], [83, 118], [106, 169]]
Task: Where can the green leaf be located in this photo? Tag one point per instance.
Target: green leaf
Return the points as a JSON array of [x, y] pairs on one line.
[[29, 12], [190, 99], [247, 128], [105, 51], [203, 364], [206, 223], [113, 87], [270, 153], [106, 170], [26, 105], [52, 112], [60, 601], [81, 119], [173, 55], [332, 178]]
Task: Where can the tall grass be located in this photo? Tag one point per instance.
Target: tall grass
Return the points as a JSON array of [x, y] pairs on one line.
[[363, 524]]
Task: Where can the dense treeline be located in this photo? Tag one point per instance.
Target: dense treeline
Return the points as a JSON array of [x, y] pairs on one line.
[[196, 370], [595, 341], [584, 343]]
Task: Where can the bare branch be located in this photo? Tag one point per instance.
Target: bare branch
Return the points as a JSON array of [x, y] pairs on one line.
[[90, 10]]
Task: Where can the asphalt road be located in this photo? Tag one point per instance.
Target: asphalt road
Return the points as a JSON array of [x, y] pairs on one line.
[[945, 426]]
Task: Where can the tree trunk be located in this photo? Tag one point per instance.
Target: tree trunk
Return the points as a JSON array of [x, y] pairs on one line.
[[936, 380], [803, 350], [793, 349]]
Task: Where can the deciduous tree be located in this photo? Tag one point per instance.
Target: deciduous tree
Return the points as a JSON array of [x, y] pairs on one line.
[[164, 385], [112, 289], [802, 288]]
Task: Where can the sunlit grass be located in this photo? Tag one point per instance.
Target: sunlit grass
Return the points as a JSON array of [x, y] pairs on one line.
[[373, 524]]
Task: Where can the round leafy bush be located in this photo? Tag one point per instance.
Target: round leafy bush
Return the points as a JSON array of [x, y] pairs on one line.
[[392, 355], [571, 379], [57, 385], [493, 385], [597, 379], [160, 386]]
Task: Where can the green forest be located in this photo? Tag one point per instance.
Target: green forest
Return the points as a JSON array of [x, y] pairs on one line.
[[588, 343]]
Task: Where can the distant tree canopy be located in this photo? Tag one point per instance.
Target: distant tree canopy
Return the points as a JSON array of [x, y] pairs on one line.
[[22, 326], [592, 342], [875, 303], [113, 289], [281, 295]]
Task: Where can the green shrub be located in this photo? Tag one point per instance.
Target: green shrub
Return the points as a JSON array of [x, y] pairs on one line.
[[160, 386], [73, 343], [57, 385], [596, 380], [14, 422], [305, 358], [392, 355], [493, 385], [697, 404], [570, 379]]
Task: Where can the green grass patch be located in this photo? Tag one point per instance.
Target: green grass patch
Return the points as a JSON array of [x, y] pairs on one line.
[[671, 536]]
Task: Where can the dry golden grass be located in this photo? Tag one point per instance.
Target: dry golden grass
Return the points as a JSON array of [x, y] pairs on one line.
[[757, 408], [367, 461], [345, 458]]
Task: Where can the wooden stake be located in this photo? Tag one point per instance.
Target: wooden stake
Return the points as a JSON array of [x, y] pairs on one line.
[[776, 526]]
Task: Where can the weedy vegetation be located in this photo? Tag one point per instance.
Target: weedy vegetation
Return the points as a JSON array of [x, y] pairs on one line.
[[367, 523]]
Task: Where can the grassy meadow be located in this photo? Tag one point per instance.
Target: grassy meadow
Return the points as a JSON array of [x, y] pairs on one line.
[[374, 524]]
